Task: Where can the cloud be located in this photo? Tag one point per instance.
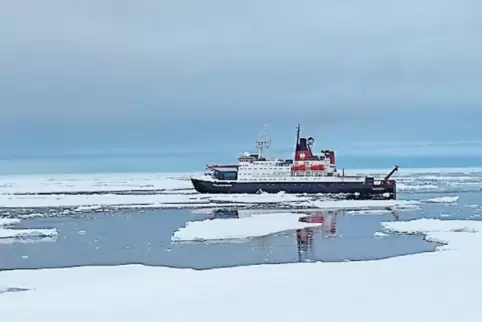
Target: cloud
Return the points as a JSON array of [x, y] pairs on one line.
[[125, 61]]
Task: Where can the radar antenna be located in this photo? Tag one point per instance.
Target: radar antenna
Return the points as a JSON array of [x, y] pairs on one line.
[[263, 141]]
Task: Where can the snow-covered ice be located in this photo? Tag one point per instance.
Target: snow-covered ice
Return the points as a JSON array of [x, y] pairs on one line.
[[8, 221], [6, 232], [446, 199], [29, 240], [363, 204], [174, 190], [82, 203], [263, 198], [409, 179], [97, 201], [369, 212], [419, 188], [379, 235], [141, 201], [433, 286], [58, 183], [26, 233], [455, 234], [247, 227]]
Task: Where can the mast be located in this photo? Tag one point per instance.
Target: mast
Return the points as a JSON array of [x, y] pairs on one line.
[[263, 141], [297, 135]]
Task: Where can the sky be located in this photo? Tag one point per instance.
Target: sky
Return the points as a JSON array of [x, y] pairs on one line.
[[117, 73]]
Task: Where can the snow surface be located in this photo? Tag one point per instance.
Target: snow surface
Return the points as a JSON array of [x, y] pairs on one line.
[[8, 221], [363, 204], [234, 228], [174, 190], [455, 234], [88, 203], [447, 199], [369, 212], [146, 201], [94, 182], [408, 179], [434, 286], [379, 235], [8, 235], [426, 187]]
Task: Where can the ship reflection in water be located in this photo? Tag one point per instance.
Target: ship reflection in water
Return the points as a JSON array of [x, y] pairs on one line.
[[305, 236]]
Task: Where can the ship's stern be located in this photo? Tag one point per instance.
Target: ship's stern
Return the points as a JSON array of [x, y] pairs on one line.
[[387, 189]]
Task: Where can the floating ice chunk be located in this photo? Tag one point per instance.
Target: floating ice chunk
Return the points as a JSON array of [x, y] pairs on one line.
[[100, 182], [31, 240], [22, 233], [263, 198], [405, 187], [429, 225], [94, 202], [9, 221], [246, 227], [362, 204], [27, 233], [442, 200], [369, 212], [379, 235], [441, 231], [87, 208]]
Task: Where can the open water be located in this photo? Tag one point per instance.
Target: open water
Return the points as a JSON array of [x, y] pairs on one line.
[[123, 237]]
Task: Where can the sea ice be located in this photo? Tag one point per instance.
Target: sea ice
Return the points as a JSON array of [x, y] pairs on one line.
[[98, 182], [363, 204], [9, 221], [90, 202], [8, 233], [236, 228], [426, 187], [379, 235], [443, 200], [174, 190], [433, 286]]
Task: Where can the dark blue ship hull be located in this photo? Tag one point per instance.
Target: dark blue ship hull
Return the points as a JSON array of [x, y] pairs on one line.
[[362, 190]]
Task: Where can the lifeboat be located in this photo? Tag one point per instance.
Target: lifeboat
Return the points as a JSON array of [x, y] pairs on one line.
[[317, 167], [298, 167]]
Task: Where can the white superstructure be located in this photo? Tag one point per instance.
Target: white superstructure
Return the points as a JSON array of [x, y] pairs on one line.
[[305, 167], [251, 167]]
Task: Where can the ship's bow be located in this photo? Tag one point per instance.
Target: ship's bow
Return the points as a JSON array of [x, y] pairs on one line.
[[201, 185]]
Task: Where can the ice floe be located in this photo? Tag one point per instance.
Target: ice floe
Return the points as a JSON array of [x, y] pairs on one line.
[[454, 234], [82, 203], [409, 179], [418, 188], [9, 234], [446, 199], [89, 202], [25, 240], [98, 192], [358, 291], [241, 228], [106, 202], [363, 204], [379, 235], [369, 212], [88, 183], [263, 198], [8, 221]]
